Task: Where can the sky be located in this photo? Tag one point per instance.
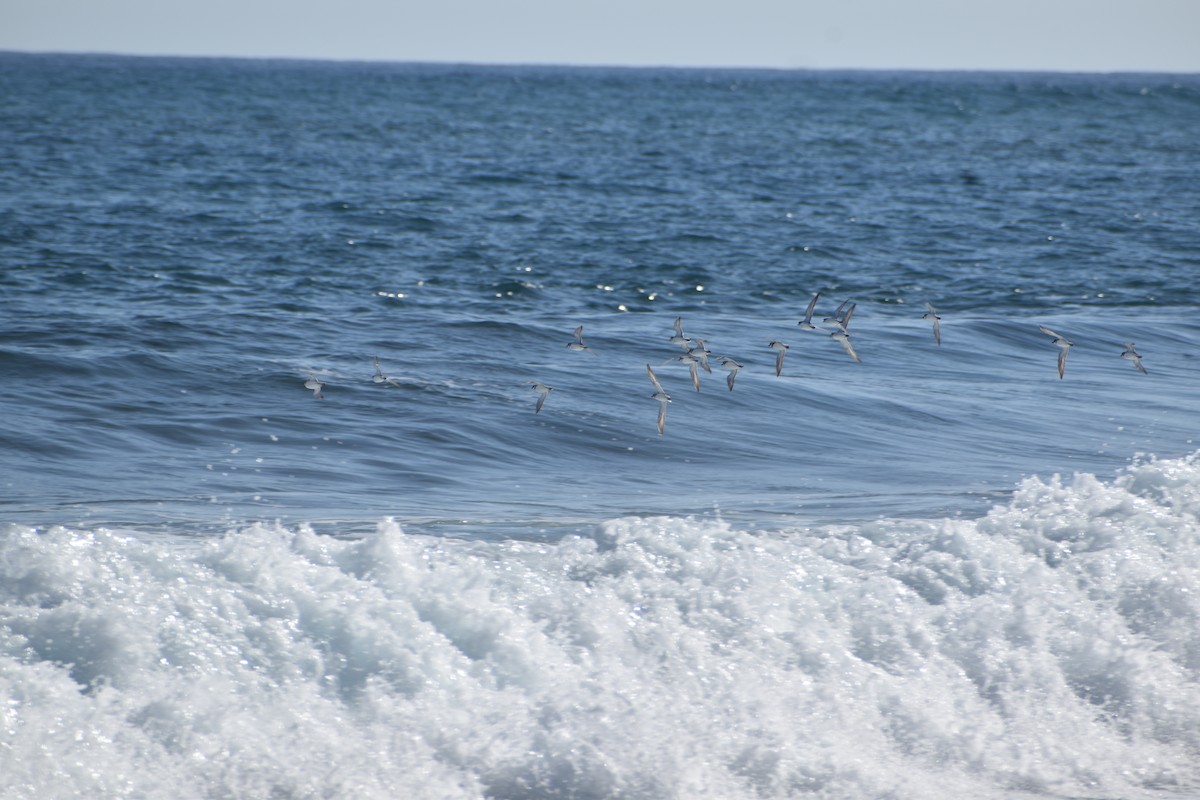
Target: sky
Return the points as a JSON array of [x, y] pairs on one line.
[[1056, 35]]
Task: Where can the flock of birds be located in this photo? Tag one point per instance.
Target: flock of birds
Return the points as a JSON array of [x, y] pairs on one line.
[[697, 356]]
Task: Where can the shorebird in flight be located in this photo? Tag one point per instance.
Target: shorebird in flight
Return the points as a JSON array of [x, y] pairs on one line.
[[679, 339], [543, 391], [315, 385], [806, 324], [700, 352], [578, 344], [693, 366], [937, 323], [780, 351], [843, 338], [839, 320], [1133, 355], [733, 367], [380, 377], [662, 397], [1064, 345]]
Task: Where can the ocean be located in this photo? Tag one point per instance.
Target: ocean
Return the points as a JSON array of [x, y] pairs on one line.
[[940, 570]]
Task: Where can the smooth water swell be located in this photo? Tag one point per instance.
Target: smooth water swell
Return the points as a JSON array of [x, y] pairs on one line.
[[1048, 649], [182, 241]]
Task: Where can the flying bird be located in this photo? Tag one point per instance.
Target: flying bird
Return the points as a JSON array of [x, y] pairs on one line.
[[380, 377], [693, 366], [578, 344], [733, 367], [315, 385], [543, 391], [698, 351], [843, 338], [780, 351], [662, 397], [937, 323], [839, 320], [806, 324], [1133, 355], [679, 339], [1064, 345]]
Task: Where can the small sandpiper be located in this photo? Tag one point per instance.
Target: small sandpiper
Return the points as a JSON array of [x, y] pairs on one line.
[[578, 344], [1064, 345], [315, 385], [780, 351], [937, 323], [1133, 355], [380, 377], [806, 324], [733, 367], [662, 397], [543, 391]]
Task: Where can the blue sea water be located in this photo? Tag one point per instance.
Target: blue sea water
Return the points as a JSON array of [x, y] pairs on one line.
[[942, 572]]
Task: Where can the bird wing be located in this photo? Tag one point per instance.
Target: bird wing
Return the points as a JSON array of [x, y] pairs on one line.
[[849, 348], [812, 304], [654, 379], [1048, 332], [849, 313]]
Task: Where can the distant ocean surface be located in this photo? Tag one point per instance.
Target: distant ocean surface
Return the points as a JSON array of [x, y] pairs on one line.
[[940, 572]]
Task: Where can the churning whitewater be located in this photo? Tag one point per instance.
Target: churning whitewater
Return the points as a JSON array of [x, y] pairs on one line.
[[657, 657], [447, 431]]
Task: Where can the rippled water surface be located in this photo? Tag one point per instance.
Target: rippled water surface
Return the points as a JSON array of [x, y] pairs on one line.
[[941, 571], [184, 242]]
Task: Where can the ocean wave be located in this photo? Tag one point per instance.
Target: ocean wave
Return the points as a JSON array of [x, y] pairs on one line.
[[1048, 648]]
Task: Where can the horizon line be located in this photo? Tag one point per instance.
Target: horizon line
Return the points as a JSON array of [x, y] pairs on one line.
[[593, 65]]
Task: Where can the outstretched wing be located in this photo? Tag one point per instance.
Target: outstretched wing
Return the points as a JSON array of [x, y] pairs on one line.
[[1049, 332], [654, 379], [812, 304]]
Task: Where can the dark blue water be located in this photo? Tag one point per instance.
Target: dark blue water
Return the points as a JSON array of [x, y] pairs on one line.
[[184, 241], [943, 571]]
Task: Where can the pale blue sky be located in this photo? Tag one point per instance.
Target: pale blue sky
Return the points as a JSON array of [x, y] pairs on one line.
[[1072, 35]]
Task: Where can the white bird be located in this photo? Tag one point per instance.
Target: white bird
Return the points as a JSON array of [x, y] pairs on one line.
[[380, 377], [543, 390], [806, 324], [733, 367], [937, 323], [1064, 345], [843, 338], [838, 320], [578, 344], [780, 351], [662, 397], [679, 339], [698, 351], [693, 366], [315, 385], [1132, 355]]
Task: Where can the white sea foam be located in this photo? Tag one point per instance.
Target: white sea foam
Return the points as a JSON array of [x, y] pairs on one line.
[[1051, 648]]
